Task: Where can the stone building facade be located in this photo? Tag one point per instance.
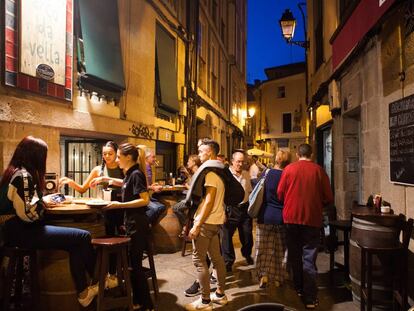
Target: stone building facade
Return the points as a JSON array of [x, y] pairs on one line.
[[365, 76], [127, 76], [281, 117]]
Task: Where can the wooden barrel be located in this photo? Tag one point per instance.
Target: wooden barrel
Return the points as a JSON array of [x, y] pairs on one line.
[[375, 231], [166, 232], [57, 288]]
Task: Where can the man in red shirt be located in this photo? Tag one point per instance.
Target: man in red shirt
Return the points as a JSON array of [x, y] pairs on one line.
[[304, 189]]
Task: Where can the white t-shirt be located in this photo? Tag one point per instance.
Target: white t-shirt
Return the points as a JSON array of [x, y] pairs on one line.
[[217, 215], [244, 180], [254, 171]]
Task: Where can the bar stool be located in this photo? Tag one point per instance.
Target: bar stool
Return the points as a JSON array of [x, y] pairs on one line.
[[105, 247], [335, 226], [185, 239], [399, 253], [150, 271], [14, 272]]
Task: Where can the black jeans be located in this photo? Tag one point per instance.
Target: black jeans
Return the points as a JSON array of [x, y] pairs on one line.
[[302, 243], [244, 224], [138, 229]]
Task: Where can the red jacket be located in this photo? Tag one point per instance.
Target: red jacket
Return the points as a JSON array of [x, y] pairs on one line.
[[304, 189]]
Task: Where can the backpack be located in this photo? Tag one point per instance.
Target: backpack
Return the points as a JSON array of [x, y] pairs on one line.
[[234, 192], [256, 197]]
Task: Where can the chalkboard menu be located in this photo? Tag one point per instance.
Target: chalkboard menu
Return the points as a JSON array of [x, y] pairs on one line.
[[401, 117]]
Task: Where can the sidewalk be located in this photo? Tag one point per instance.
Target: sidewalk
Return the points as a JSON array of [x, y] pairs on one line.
[[176, 273]]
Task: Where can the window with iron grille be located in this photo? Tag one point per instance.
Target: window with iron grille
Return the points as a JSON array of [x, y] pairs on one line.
[[81, 156]]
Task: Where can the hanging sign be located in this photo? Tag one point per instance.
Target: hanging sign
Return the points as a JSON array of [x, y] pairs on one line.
[[43, 39]]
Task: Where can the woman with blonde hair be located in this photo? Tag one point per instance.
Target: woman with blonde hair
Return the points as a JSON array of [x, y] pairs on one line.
[[135, 199], [270, 234]]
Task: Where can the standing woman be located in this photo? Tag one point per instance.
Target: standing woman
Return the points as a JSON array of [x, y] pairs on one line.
[[104, 174], [22, 200], [135, 198], [108, 168], [270, 235]]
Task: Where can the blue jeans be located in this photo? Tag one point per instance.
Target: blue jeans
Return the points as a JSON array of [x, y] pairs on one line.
[[302, 244], [76, 242], [154, 210]]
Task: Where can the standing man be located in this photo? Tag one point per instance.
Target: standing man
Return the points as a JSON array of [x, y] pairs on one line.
[[237, 217], [304, 189], [208, 218]]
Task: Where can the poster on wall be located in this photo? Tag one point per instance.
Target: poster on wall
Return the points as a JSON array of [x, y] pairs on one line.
[[43, 39], [401, 126]]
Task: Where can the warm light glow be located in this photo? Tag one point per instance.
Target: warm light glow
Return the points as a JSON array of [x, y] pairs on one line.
[[252, 111], [288, 25], [243, 114]]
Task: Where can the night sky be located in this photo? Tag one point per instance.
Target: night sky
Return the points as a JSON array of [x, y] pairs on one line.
[[265, 44]]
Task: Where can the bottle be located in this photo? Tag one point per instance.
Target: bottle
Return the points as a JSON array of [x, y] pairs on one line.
[[172, 180]]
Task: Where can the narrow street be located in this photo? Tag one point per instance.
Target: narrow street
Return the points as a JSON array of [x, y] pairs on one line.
[[176, 273]]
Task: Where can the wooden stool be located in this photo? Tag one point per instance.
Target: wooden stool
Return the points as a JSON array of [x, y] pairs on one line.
[[399, 253], [14, 271], [334, 226], [149, 271], [105, 247], [184, 239]]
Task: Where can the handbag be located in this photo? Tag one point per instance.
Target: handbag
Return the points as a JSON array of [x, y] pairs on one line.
[[256, 197]]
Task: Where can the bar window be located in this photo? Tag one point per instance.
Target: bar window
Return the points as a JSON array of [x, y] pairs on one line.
[[99, 48], [165, 71]]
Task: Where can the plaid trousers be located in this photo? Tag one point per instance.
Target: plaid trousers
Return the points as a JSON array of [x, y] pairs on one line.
[[271, 254]]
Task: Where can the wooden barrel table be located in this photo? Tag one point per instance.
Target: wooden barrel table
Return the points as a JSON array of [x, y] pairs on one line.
[[373, 229], [166, 232], [57, 288]]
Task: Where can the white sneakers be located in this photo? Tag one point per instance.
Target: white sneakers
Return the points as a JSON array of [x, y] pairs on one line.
[[199, 305], [219, 300], [111, 281], [92, 291]]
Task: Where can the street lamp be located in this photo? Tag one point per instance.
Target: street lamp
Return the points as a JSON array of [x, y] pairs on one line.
[[288, 24]]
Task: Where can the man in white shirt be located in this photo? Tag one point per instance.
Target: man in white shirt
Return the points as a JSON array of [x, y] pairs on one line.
[[237, 217], [208, 218]]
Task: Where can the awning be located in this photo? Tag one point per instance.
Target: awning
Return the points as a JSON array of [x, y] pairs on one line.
[[100, 50], [259, 153]]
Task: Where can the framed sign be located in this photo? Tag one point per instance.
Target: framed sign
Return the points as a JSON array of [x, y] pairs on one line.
[[401, 122], [42, 37]]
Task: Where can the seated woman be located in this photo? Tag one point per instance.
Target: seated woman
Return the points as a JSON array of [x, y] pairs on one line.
[[135, 198], [21, 198]]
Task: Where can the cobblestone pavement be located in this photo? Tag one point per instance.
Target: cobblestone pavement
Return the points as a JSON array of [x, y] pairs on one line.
[[176, 273]]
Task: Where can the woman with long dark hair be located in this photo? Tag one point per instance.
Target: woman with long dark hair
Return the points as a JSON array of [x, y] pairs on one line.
[[21, 199], [135, 198]]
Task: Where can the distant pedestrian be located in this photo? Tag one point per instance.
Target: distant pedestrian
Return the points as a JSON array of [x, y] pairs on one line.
[[256, 168], [304, 189], [237, 217], [270, 232]]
